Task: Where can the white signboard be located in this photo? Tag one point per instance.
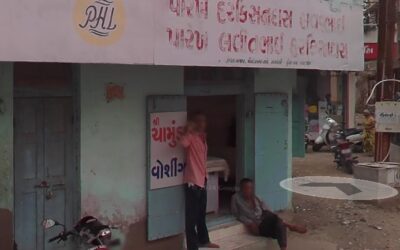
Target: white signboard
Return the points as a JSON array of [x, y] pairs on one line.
[[310, 34], [81, 31], [167, 156], [313, 34], [387, 116]]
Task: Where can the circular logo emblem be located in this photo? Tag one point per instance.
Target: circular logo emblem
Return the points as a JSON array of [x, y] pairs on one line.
[[338, 188], [100, 22]]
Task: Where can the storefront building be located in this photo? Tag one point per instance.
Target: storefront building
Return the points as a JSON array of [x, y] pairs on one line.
[[85, 91]]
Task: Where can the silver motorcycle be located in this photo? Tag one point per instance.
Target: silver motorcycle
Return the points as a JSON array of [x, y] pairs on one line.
[[327, 136]]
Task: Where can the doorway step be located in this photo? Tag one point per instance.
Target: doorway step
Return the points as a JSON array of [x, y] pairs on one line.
[[234, 236]]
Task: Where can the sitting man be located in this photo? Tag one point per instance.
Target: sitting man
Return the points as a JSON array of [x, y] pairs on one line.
[[257, 217]]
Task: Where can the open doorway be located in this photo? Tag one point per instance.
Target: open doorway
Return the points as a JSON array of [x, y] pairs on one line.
[[221, 112]]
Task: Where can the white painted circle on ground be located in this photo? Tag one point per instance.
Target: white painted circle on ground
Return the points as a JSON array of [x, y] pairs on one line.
[[338, 188]]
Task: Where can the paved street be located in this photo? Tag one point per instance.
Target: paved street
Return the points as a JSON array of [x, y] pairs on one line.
[[350, 225]]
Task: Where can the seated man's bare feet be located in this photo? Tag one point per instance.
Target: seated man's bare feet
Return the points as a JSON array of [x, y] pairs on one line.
[[211, 245], [297, 229]]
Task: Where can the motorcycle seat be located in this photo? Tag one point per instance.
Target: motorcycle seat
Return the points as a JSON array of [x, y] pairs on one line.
[[352, 131]]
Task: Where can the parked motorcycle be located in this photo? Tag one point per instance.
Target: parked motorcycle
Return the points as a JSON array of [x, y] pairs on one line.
[[326, 134], [355, 137], [91, 231], [343, 152]]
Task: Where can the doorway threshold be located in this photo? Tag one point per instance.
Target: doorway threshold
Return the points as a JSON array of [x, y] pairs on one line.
[[214, 223], [232, 235]]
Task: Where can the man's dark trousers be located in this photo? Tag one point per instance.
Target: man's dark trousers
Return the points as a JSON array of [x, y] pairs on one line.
[[196, 205]]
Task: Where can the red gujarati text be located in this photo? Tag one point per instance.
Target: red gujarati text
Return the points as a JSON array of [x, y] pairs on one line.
[[243, 42], [188, 39], [189, 8], [235, 11], [165, 134], [311, 46]]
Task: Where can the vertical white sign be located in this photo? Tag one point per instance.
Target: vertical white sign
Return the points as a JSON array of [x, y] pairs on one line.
[[387, 115], [167, 156]]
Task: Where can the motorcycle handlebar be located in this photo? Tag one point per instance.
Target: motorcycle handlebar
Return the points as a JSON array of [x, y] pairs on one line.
[[62, 236], [55, 238]]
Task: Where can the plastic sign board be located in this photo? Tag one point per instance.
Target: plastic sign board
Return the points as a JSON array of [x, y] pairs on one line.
[[167, 156], [370, 51], [297, 34], [310, 34], [387, 116]]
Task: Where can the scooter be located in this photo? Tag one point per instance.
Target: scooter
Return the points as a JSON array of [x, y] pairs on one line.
[[91, 231], [326, 136], [343, 152]]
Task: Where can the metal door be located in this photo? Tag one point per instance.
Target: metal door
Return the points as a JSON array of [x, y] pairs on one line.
[[43, 169], [271, 148], [166, 207]]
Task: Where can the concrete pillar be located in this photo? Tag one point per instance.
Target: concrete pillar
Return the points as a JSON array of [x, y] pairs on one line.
[[6, 156], [350, 104]]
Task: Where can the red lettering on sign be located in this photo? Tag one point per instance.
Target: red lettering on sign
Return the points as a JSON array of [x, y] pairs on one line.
[[187, 38], [189, 8], [311, 46], [236, 11], [242, 42], [165, 134]]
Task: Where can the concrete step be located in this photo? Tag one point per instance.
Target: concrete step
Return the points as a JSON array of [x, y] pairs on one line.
[[226, 230], [234, 236]]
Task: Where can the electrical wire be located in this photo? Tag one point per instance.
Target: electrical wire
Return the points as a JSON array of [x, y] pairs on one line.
[[376, 85]]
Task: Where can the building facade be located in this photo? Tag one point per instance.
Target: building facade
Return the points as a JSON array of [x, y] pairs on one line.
[[78, 88]]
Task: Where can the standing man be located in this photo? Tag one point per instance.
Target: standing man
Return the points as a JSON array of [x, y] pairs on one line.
[[195, 177]]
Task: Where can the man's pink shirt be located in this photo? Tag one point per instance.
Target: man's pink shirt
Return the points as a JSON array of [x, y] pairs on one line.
[[196, 158]]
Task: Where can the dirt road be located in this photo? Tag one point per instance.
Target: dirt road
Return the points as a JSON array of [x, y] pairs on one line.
[[351, 225]]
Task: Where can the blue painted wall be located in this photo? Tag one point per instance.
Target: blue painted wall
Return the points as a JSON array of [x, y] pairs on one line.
[[113, 143], [278, 81]]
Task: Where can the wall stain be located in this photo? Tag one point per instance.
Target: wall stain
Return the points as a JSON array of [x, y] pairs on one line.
[[93, 172], [113, 214], [136, 239]]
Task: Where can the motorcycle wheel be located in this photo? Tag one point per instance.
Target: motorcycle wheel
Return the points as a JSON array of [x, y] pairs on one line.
[[348, 167], [317, 147]]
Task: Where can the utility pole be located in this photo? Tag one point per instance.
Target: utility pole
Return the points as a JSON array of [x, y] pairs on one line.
[[386, 38]]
